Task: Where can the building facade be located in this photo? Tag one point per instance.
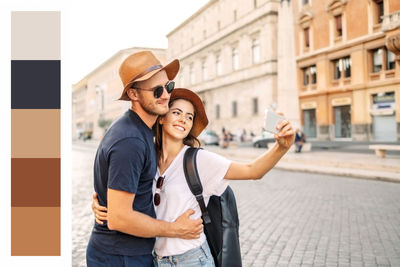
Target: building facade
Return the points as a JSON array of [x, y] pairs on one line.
[[228, 54], [94, 98], [348, 68]]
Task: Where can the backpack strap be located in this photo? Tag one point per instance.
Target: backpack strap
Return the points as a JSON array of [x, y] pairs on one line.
[[193, 180]]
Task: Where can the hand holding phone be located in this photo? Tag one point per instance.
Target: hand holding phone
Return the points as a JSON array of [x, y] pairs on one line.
[[272, 119]]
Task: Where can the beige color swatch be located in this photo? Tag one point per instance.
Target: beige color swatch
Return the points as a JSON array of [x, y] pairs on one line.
[[35, 231], [35, 133], [35, 35]]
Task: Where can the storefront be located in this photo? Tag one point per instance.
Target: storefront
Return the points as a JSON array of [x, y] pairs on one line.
[[383, 114], [342, 118], [309, 119]]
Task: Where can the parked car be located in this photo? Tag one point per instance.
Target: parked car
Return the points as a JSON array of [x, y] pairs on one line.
[[209, 138], [263, 139]]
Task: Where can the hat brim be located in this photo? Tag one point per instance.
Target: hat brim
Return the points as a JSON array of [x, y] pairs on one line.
[[200, 121], [171, 69]]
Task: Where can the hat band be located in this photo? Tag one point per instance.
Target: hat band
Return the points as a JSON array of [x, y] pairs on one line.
[[155, 67]]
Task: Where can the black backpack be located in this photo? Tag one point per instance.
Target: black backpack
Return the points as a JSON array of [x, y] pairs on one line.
[[220, 218]]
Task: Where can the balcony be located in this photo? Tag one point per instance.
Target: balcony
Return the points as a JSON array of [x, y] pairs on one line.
[[391, 26], [391, 21]]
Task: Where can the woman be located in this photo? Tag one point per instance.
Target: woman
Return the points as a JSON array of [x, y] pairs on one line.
[[175, 132]]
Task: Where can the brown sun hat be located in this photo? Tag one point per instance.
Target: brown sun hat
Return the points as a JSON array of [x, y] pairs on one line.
[[200, 120], [142, 66]]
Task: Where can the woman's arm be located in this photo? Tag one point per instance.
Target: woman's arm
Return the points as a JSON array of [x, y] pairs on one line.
[[100, 212], [260, 166]]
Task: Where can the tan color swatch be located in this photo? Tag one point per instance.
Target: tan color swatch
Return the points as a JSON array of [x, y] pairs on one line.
[[35, 231], [35, 133], [35, 182], [35, 35]]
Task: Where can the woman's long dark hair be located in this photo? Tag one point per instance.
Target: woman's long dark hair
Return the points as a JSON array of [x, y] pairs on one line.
[[189, 140]]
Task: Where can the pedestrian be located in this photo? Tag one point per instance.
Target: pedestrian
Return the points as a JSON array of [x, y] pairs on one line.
[[175, 133], [225, 138], [239, 134], [125, 165], [299, 140]]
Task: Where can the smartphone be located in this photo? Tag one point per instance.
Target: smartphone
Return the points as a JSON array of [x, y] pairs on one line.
[[272, 120]]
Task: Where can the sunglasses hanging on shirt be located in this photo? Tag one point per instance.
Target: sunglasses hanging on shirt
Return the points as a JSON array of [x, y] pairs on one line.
[[157, 196]]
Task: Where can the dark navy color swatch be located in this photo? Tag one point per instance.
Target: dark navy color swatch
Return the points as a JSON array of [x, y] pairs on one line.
[[35, 84]]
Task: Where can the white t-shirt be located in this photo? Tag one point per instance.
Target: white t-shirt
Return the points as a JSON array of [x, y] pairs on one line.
[[176, 196]]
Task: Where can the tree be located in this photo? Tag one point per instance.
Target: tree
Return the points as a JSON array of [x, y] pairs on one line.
[[104, 123]]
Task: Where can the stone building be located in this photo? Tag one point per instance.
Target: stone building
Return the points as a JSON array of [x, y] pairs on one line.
[[94, 98], [228, 54], [348, 68]]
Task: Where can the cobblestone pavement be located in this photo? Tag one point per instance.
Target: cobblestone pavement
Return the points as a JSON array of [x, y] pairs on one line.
[[82, 189], [287, 218]]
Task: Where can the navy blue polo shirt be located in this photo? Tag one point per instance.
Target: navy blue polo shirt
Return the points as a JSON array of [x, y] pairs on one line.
[[125, 160]]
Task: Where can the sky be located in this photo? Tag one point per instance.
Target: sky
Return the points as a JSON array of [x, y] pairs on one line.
[[99, 29]]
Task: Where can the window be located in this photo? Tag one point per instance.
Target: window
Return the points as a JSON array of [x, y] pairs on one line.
[[338, 23], [182, 77], [382, 59], [342, 115], [347, 67], [234, 15], [377, 60], [255, 48], [390, 65], [234, 109], [217, 111], [100, 97], [255, 3], [204, 34], [307, 37], [255, 106], [235, 59], [218, 64], [342, 68], [204, 70], [310, 123], [305, 2], [336, 10], [337, 69], [309, 75], [191, 74], [378, 11], [306, 76], [219, 25], [313, 71]]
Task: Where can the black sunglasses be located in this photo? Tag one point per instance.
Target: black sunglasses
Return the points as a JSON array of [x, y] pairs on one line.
[[159, 89], [157, 197]]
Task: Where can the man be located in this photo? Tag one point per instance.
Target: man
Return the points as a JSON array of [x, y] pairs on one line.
[[299, 140], [124, 169]]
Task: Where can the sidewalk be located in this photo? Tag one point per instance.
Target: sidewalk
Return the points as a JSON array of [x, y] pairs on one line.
[[358, 165], [348, 164]]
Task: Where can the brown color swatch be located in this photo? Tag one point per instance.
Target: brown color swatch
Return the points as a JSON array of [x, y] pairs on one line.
[[35, 231], [35, 133], [35, 182], [35, 35]]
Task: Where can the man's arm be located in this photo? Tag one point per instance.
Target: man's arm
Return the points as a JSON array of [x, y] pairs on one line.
[[123, 218]]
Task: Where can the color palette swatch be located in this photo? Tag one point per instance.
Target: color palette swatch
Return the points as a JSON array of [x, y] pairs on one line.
[[35, 133]]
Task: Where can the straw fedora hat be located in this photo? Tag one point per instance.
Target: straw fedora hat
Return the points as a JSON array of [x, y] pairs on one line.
[[200, 120], [142, 66]]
